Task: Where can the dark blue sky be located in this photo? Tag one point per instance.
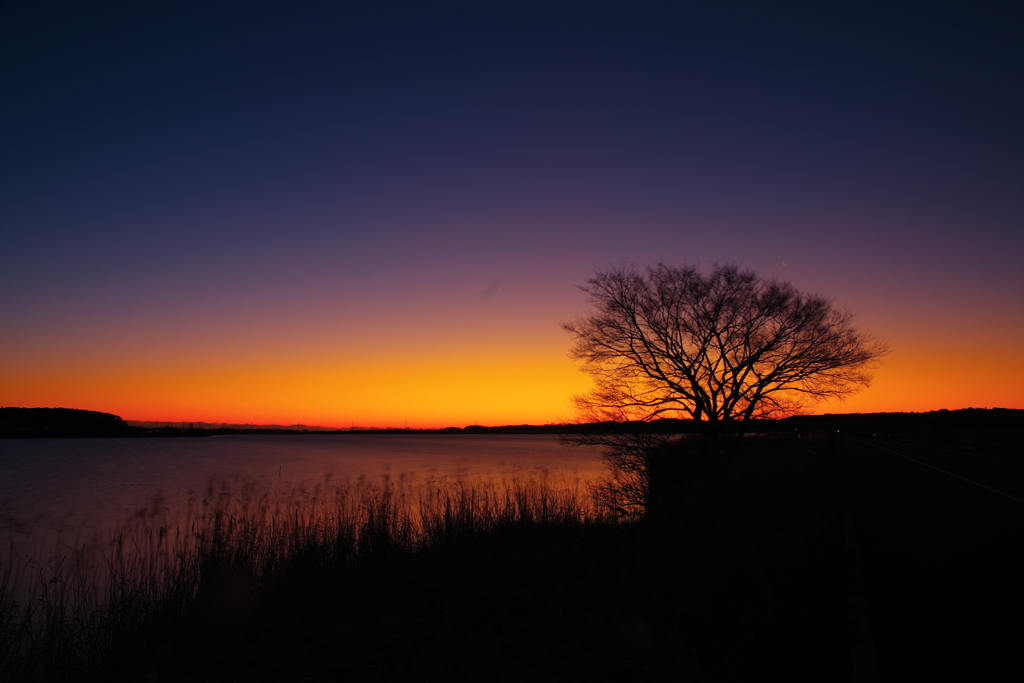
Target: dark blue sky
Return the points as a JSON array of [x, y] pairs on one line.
[[207, 175]]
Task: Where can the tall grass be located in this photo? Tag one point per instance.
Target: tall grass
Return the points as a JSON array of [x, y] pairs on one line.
[[65, 613]]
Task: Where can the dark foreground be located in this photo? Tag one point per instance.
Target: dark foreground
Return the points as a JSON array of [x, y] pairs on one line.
[[941, 557], [751, 583], [813, 560]]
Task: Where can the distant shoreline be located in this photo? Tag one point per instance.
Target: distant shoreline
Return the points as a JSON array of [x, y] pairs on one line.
[[21, 423]]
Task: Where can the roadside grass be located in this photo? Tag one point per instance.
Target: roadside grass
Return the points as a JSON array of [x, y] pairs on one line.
[[450, 580]]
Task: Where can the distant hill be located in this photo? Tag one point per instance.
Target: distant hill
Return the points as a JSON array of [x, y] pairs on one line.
[[59, 422]]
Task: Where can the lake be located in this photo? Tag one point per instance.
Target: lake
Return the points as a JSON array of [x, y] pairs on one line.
[[99, 482], [81, 517]]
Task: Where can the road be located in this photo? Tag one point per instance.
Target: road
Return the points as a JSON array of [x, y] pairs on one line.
[[942, 559]]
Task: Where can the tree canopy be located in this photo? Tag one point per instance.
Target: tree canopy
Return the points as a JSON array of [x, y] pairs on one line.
[[720, 347]]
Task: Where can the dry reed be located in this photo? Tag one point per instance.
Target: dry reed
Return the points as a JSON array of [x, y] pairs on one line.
[[63, 611]]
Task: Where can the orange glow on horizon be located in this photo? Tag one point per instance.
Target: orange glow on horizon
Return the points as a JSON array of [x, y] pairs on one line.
[[492, 379], [535, 388], [526, 390], [923, 379]]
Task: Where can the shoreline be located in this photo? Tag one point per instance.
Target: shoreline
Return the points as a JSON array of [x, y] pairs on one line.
[[34, 423]]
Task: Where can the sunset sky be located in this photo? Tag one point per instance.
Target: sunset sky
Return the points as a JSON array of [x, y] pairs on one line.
[[378, 213]]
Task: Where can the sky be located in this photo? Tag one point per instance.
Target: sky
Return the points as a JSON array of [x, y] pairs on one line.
[[379, 213]]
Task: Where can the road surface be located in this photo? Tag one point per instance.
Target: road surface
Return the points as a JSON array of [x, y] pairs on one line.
[[942, 558]]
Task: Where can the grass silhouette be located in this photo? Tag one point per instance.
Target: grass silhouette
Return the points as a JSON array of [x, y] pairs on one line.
[[236, 550]]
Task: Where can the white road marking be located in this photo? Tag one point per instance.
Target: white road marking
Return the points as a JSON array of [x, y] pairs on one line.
[[939, 469]]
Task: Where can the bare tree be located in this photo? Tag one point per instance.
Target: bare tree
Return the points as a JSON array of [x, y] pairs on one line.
[[722, 348]]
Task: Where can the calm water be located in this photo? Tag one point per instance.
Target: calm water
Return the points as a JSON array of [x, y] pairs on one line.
[[64, 501], [73, 481]]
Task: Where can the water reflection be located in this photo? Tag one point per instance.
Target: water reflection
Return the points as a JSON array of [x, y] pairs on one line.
[[96, 507]]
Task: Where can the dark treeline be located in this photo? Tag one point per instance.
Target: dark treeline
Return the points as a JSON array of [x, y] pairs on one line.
[[60, 422], [73, 423], [48, 423], [881, 423]]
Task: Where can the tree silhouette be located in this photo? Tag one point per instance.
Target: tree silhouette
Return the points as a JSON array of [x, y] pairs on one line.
[[722, 348]]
